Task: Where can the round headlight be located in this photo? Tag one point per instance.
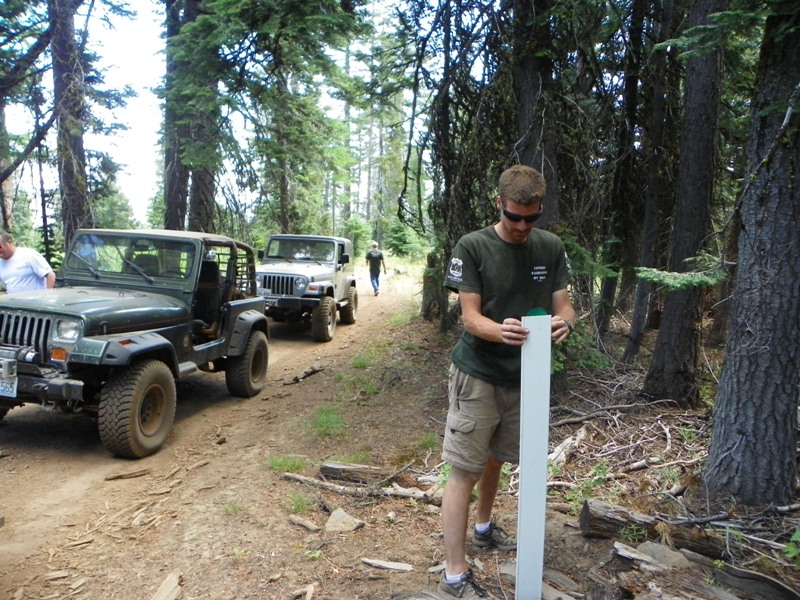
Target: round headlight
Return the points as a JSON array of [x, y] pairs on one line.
[[68, 329], [300, 284]]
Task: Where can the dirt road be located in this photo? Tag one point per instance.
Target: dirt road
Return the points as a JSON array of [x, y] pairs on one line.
[[67, 528]]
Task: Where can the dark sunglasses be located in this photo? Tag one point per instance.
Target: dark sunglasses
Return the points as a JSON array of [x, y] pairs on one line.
[[515, 218]]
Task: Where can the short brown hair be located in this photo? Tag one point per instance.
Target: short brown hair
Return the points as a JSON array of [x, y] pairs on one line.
[[522, 184]]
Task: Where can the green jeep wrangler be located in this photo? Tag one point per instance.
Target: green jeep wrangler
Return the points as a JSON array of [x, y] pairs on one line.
[[133, 312]]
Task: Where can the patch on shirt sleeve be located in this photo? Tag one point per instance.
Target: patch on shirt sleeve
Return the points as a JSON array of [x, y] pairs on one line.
[[456, 270]]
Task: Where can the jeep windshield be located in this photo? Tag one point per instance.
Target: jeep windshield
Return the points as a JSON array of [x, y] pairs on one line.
[[139, 256], [300, 249]]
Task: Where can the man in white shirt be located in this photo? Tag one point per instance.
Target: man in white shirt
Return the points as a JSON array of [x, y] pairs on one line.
[[23, 269]]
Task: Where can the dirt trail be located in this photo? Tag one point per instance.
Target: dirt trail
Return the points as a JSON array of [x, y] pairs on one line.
[[53, 491]]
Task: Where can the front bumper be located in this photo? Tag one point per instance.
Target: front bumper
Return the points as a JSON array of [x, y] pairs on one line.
[[22, 380], [47, 389], [289, 304]]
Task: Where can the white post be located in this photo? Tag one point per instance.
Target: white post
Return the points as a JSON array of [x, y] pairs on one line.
[[534, 426]]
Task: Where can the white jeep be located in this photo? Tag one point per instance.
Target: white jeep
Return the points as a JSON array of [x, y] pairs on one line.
[[309, 277]]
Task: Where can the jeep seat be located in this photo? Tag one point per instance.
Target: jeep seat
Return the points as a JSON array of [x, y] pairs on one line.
[[208, 298], [148, 263]]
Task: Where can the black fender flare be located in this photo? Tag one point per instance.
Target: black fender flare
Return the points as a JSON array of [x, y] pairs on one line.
[[244, 323], [120, 353]]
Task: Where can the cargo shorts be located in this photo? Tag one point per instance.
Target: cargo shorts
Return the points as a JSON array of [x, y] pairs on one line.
[[482, 420]]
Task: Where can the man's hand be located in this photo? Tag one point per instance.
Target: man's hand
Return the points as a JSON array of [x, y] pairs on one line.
[[560, 329], [512, 332]]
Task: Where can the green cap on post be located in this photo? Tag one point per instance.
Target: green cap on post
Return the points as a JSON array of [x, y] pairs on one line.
[[537, 312]]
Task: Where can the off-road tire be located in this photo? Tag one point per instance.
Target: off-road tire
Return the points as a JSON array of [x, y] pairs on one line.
[[323, 320], [137, 409], [3, 412], [246, 375], [347, 314]]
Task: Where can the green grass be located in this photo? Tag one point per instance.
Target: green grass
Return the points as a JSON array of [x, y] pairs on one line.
[[354, 386], [367, 358], [328, 422], [405, 316], [360, 457], [429, 441], [301, 503], [233, 508], [287, 464]]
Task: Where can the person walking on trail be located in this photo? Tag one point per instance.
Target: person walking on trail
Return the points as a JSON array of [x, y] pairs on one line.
[[23, 269], [375, 261], [500, 273]]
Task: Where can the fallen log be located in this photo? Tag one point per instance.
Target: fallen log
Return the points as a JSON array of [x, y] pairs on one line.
[[352, 471], [602, 520], [430, 496]]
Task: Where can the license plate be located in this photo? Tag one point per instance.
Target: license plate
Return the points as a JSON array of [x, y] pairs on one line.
[[264, 291], [8, 387]]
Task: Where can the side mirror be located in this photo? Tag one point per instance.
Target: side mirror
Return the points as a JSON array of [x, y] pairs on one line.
[[344, 259]]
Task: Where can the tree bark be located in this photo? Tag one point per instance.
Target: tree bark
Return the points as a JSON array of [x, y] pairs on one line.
[[533, 74], [603, 520], [625, 210], [176, 174], [69, 90], [673, 371], [658, 114], [752, 457], [202, 203]]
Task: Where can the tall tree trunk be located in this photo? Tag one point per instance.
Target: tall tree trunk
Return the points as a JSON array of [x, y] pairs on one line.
[[5, 184], [625, 211], [449, 200], [70, 107], [201, 203], [673, 372], [654, 187], [347, 203], [176, 174], [533, 76], [753, 452], [285, 200]]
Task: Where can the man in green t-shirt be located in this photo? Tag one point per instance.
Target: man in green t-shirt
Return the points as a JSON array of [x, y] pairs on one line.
[[374, 261], [500, 272]]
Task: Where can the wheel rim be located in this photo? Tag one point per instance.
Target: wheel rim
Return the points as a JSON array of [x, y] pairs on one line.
[[151, 414], [332, 319]]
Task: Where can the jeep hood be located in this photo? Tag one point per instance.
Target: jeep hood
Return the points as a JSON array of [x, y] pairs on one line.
[[103, 310], [313, 270]]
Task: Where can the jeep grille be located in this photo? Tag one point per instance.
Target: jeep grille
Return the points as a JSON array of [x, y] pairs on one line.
[[279, 285], [21, 329]]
